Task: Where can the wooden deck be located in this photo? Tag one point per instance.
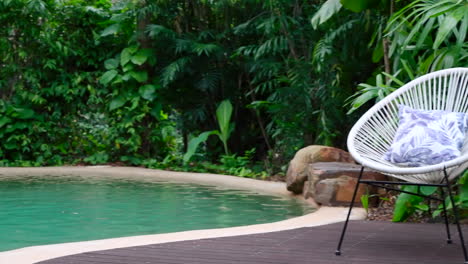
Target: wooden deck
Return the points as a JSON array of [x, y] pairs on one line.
[[365, 242]]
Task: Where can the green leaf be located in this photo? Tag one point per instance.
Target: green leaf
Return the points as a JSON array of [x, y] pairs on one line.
[[428, 190], [378, 53], [364, 98], [463, 193], [365, 201], [6, 2], [405, 204], [423, 35], [355, 5], [394, 78], [24, 113], [112, 29], [462, 31], [17, 126], [326, 11], [422, 207], [407, 69], [125, 56], [223, 114], [107, 77], [156, 111], [140, 76], [132, 49], [128, 67], [126, 77], [448, 24], [10, 145], [4, 120], [111, 64], [140, 57], [206, 49], [448, 203], [117, 102], [148, 92], [193, 144], [401, 210]]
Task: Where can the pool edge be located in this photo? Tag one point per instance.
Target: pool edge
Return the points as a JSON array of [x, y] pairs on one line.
[[27, 255]]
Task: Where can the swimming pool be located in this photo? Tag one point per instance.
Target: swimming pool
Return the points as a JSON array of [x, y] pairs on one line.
[[46, 210]]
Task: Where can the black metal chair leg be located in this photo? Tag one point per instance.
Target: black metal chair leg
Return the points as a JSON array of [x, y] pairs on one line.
[[455, 213], [338, 249], [449, 238]]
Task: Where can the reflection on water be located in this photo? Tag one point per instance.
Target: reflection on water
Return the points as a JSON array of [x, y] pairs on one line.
[[38, 210]]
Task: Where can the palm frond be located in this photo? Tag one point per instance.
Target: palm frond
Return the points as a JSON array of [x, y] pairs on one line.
[[205, 49], [173, 70], [209, 81], [273, 46], [322, 49], [158, 31], [183, 45]]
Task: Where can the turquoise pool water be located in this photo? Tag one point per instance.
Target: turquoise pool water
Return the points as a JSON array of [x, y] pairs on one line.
[[38, 210]]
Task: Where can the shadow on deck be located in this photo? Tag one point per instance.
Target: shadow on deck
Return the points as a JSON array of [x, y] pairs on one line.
[[365, 242]]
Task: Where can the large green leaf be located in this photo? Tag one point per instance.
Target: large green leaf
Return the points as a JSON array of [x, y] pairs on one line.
[[463, 189], [326, 11], [112, 29], [193, 144], [4, 120], [405, 204], [140, 76], [126, 77], [356, 5], [148, 92], [18, 126], [128, 67], [140, 57], [125, 56], [10, 145], [378, 52], [428, 190], [111, 64], [107, 77], [156, 111], [463, 30], [223, 114], [448, 24], [23, 113], [117, 102]]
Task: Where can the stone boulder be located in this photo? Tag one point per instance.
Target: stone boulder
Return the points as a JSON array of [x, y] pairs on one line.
[[297, 170], [333, 183]]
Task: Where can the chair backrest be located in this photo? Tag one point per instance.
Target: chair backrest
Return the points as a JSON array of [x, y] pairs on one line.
[[373, 134]]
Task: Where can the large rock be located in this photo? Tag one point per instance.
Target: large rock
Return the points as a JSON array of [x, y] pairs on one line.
[[297, 170], [333, 183]]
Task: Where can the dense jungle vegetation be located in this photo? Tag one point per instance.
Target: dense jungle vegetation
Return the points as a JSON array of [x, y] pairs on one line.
[[220, 85], [230, 86]]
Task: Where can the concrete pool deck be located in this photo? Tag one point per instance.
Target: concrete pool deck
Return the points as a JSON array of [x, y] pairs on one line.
[[323, 216]]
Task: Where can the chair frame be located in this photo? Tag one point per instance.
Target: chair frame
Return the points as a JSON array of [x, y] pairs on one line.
[[372, 134], [382, 184]]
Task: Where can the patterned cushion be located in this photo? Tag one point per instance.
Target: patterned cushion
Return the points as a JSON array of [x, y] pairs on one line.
[[427, 137]]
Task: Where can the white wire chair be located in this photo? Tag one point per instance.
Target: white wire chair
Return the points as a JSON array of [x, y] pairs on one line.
[[372, 135]]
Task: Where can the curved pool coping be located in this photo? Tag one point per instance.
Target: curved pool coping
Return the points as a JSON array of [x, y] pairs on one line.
[[33, 254]]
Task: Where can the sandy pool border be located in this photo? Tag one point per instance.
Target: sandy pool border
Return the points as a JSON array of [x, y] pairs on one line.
[[27, 255]]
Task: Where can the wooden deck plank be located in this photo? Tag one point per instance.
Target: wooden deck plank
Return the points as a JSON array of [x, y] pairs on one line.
[[365, 243]]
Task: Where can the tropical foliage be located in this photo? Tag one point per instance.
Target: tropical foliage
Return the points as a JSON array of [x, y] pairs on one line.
[[140, 82], [134, 81]]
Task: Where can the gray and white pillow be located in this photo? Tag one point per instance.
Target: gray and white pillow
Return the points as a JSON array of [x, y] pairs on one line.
[[427, 137]]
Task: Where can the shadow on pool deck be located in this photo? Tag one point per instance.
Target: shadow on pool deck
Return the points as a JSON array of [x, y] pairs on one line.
[[365, 242]]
